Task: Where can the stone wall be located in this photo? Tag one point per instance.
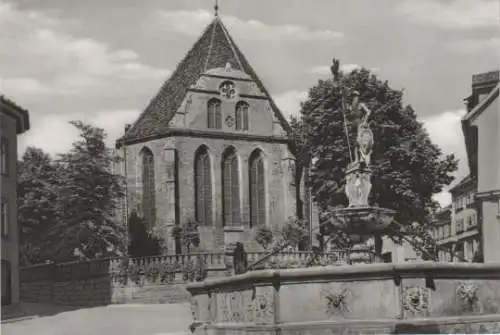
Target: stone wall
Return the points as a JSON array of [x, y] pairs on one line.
[[174, 163]]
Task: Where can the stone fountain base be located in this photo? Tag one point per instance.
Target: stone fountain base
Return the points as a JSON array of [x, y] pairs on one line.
[[420, 298]]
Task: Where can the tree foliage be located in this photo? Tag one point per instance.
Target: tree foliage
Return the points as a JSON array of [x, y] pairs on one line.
[[37, 192], [407, 167], [264, 237], [188, 234], [78, 192], [142, 242]]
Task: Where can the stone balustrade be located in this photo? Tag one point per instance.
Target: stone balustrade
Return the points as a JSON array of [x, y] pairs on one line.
[[368, 298], [120, 280]]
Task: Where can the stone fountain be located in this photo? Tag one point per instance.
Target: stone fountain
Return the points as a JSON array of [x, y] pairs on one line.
[[359, 220], [379, 298]]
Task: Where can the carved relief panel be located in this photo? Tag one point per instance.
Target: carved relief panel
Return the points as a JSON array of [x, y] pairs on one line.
[[248, 306]]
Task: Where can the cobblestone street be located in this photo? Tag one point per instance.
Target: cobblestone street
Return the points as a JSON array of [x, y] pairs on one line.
[[133, 319]]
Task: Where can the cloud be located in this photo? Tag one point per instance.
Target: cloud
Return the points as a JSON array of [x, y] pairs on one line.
[[54, 142], [451, 140], [324, 70], [192, 22], [454, 14], [289, 102], [443, 198], [445, 130], [39, 58], [474, 46], [348, 68]]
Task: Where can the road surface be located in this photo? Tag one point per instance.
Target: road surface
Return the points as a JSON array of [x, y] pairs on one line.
[[129, 319]]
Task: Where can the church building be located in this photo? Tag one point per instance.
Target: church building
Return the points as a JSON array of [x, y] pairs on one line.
[[211, 146]]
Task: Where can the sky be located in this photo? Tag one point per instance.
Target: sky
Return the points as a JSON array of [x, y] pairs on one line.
[[102, 61]]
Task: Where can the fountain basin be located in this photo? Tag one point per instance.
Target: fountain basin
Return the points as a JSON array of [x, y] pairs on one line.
[[368, 298], [366, 220]]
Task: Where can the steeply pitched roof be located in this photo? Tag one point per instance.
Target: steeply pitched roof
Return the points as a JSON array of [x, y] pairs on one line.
[[483, 104], [20, 114], [469, 132], [465, 182], [214, 49]]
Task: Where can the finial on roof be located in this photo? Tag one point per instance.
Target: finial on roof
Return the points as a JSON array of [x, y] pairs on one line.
[[216, 8]]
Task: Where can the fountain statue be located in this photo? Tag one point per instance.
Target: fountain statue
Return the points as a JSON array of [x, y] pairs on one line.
[[359, 219]]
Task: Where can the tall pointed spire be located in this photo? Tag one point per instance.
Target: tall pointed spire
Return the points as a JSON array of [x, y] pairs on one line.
[[216, 8]]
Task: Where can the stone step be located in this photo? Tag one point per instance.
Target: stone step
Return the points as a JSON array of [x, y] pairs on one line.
[[157, 294]]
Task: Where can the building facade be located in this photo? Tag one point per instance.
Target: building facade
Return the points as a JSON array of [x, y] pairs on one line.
[[14, 120], [443, 234], [211, 146], [456, 229], [481, 127]]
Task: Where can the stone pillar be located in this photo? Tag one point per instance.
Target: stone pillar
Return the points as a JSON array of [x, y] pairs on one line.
[[170, 195]]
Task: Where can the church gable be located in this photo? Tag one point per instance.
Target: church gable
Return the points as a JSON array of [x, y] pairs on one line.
[[227, 100], [184, 97]]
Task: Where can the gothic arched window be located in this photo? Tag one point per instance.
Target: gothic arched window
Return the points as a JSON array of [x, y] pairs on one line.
[[241, 116], [257, 189], [148, 187], [203, 187], [230, 189], [214, 118]]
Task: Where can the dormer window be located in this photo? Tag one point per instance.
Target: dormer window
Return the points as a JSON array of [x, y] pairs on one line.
[[241, 116], [227, 90], [214, 118]]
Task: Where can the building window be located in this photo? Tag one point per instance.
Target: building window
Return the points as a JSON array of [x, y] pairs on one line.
[[214, 118], [4, 213], [241, 116], [227, 90], [203, 187], [460, 226], [148, 187], [387, 257], [6, 283], [5, 155], [230, 189], [257, 190]]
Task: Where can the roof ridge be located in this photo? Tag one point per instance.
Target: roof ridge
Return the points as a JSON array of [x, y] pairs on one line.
[[155, 96], [210, 47], [231, 43]]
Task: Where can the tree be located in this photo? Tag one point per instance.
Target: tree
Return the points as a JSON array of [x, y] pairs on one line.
[[294, 232], [264, 237], [188, 234], [142, 242], [407, 167], [37, 194], [87, 195]]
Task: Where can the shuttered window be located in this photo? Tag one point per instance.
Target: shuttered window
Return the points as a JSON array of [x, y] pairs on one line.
[[241, 116], [203, 187], [230, 189], [148, 187], [257, 190], [214, 118]]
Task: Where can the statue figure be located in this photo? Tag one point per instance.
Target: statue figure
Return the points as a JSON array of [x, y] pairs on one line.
[[358, 183], [364, 139]]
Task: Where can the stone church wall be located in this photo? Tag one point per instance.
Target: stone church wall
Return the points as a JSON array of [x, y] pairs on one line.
[[180, 151]]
